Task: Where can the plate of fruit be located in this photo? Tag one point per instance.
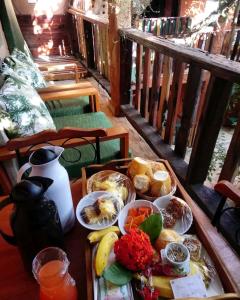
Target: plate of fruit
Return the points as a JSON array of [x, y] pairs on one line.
[[135, 213]]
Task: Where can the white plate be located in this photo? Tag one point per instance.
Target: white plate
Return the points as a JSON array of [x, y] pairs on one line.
[[138, 203], [182, 225], [90, 199]]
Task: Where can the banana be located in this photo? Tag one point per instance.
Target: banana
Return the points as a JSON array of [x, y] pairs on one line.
[[103, 251], [96, 236]]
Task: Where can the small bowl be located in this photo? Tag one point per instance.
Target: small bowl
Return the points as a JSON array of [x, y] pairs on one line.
[[175, 268], [138, 203], [182, 225], [183, 248], [90, 199]]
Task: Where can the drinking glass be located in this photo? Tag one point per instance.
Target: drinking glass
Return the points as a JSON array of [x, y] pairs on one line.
[[50, 268]]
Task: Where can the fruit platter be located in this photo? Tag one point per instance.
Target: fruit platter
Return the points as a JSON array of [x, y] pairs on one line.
[[154, 248]]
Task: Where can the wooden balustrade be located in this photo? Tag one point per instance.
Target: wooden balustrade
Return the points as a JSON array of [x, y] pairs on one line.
[[92, 34], [165, 26], [176, 95]]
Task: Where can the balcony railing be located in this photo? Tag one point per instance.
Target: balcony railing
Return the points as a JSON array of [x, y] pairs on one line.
[[165, 26], [176, 96], [93, 43]]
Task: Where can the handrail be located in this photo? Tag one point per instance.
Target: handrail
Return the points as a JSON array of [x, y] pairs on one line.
[[90, 17], [219, 66]]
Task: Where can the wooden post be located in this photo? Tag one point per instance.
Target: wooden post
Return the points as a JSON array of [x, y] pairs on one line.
[[189, 103], [234, 24], [232, 159], [114, 13], [114, 57], [89, 44], [217, 97]]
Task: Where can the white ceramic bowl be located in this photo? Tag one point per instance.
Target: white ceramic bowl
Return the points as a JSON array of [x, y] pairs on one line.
[[90, 199], [135, 204], [182, 225]]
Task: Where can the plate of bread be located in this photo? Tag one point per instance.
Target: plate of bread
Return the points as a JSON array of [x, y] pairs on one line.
[[98, 210], [151, 179], [113, 182]]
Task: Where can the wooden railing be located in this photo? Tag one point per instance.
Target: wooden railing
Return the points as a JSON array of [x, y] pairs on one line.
[[93, 41], [178, 95], [165, 26]]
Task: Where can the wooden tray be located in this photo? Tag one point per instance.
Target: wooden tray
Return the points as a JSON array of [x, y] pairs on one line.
[[211, 240]]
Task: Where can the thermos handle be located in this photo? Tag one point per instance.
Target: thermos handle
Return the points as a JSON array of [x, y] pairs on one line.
[[22, 170], [8, 238]]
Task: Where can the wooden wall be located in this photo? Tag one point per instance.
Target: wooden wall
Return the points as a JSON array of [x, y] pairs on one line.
[[52, 37], [57, 7]]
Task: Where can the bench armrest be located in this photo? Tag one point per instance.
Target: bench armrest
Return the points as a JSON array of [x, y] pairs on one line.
[[60, 138], [228, 190], [74, 93]]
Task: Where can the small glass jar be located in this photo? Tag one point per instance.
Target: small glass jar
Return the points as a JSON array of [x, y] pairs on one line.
[[50, 269]]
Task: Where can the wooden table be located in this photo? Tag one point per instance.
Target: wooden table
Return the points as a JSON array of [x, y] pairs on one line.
[[16, 283]]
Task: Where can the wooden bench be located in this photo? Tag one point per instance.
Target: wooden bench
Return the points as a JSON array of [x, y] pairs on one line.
[[61, 68]]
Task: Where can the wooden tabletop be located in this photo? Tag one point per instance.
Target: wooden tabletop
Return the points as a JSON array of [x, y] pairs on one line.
[[16, 283]]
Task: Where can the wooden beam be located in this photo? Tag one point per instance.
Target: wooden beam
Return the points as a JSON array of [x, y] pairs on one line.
[[232, 159], [92, 18], [139, 63], [165, 89], [146, 83], [189, 102], [172, 103], [65, 87], [125, 72], [64, 95], [219, 66], [114, 58], [217, 97], [88, 32], [155, 94]]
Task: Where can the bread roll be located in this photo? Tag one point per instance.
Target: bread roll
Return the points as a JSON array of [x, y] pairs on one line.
[[161, 184], [141, 183], [157, 166], [138, 166], [167, 236]]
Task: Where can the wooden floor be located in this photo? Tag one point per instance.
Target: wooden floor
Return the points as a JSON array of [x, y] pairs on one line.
[[138, 145]]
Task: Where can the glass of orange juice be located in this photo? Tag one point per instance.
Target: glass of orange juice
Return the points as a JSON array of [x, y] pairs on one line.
[[50, 268]]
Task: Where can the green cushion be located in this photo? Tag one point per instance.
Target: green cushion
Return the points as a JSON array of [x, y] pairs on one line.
[[69, 107], [109, 150]]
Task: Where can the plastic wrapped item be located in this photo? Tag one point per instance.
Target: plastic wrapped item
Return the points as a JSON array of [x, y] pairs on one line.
[[151, 179], [113, 182], [177, 215], [194, 246], [98, 210]]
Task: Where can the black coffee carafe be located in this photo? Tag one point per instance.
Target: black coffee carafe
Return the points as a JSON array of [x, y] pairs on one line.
[[35, 221]]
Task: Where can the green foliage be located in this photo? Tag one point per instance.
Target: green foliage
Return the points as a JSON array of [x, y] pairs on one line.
[[117, 274], [152, 226]]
